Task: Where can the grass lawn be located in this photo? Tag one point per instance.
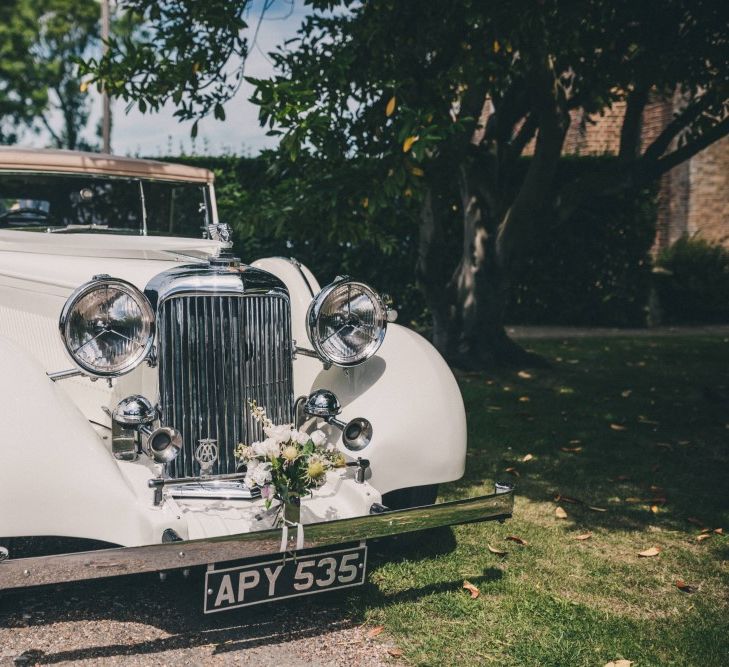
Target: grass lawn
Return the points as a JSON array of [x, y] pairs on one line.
[[638, 428]]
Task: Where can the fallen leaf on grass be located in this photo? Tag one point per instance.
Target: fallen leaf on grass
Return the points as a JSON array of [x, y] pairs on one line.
[[619, 663], [395, 652], [572, 450], [596, 509], [524, 399], [560, 513], [512, 471], [618, 427], [575, 442], [390, 108], [649, 553], [498, 552], [524, 375], [702, 537], [583, 537], [517, 539], [684, 587], [558, 497], [719, 531], [626, 393], [654, 509], [375, 631], [665, 445], [527, 457], [644, 420], [471, 589]]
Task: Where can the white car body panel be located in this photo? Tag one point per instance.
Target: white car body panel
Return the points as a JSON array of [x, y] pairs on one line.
[[58, 475]]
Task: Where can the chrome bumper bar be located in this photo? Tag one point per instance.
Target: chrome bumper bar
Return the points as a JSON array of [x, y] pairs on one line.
[[44, 570]]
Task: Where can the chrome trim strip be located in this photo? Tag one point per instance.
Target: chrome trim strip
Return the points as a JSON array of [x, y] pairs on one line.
[[44, 570]]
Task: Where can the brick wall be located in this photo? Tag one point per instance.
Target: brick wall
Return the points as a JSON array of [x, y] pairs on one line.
[[693, 197]]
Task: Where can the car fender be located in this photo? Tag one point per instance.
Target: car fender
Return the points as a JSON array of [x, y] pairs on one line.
[[57, 476], [406, 390]]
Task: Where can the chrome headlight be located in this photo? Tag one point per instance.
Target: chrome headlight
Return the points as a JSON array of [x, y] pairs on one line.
[[347, 322], [107, 326]]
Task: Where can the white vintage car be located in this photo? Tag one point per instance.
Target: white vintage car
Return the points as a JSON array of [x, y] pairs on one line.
[[132, 344]]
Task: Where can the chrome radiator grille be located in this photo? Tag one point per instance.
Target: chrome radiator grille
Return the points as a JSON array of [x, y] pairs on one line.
[[217, 353]]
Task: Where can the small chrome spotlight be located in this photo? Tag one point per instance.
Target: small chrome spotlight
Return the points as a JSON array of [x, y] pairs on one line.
[[356, 434], [134, 411], [322, 403]]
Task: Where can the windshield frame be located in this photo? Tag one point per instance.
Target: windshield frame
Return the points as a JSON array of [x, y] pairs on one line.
[[208, 198]]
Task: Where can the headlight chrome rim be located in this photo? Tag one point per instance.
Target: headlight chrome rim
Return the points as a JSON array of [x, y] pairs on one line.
[[147, 314], [315, 310]]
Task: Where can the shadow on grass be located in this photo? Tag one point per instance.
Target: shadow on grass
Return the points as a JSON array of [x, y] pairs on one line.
[[639, 428]]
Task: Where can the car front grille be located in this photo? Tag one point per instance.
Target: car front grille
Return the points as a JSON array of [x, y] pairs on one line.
[[216, 354]]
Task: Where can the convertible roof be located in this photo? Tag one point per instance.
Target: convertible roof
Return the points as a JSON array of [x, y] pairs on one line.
[[71, 162]]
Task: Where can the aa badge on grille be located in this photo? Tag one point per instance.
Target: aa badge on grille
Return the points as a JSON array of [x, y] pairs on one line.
[[206, 455]]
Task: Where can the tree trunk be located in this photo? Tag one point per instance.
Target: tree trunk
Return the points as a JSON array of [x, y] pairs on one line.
[[481, 285], [494, 230], [431, 273]]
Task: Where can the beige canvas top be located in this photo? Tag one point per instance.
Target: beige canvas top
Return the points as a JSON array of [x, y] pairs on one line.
[[72, 162]]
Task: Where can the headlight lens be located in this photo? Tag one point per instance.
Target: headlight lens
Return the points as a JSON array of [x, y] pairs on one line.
[[347, 322], [107, 326]]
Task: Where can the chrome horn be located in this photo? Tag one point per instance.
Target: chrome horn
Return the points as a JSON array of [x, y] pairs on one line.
[[136, 414], [356, 434], [163, 444]]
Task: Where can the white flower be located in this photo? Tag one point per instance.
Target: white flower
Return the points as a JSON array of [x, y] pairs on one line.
[[300, 437], [262, 475], [268, 448], [278, 433], [252, 465], [249, 481], [318, 438]]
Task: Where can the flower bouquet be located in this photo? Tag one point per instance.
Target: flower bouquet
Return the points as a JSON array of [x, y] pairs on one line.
[[288, 464]]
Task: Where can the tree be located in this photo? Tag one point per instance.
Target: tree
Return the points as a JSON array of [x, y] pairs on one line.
[[434, 105], [180, 52], [67, 31], [22, 96]]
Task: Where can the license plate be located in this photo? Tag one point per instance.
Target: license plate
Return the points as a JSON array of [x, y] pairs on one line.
[[279, 578]]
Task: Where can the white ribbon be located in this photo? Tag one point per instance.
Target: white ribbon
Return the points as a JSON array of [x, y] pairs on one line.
[[285, 536]]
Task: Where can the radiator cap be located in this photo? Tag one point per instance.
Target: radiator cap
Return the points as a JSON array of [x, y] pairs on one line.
[[225, 259]]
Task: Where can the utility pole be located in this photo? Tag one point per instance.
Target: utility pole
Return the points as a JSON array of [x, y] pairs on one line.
[[106, 111]]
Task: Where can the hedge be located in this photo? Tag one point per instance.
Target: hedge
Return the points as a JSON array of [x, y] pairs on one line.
[[591, 269]]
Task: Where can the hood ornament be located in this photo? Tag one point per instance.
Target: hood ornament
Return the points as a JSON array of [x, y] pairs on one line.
[[220, 231], [206, 455]]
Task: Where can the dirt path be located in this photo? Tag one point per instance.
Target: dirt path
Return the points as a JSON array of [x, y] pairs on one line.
[[548, 332], [142, 621]]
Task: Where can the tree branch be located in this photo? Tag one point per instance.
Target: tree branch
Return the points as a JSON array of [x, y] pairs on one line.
[[525, 134], [58, 141], [669, 133], [630, 132], [687, 151], [553, 120]]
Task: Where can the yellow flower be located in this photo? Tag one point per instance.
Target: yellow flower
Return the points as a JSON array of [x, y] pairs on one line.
[[290, 453], [315, 470]]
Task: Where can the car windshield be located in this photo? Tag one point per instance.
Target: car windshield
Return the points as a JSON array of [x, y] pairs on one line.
[[68, 203]]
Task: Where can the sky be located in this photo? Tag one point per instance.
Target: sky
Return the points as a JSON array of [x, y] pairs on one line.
[[134, 133]]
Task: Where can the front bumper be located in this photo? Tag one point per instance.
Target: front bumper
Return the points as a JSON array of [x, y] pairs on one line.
[[44, 570]]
